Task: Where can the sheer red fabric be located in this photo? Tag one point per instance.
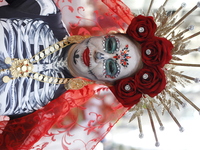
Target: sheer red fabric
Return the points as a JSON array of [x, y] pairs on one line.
[[95, 17], [82, 118], [75, 110], [119, 8]]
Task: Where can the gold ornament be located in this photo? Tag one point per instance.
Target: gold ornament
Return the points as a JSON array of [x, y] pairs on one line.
[[8, 60], [167, 27], [6, 79], [77, 38], [77, 83], [24, 67]]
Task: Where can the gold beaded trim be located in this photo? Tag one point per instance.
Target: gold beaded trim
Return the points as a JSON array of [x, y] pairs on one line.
[[24, 67]]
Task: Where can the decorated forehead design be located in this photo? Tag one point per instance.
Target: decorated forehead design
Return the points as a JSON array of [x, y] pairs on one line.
[[124, 56]]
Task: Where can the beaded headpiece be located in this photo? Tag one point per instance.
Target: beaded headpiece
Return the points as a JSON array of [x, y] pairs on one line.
[[162, 45]]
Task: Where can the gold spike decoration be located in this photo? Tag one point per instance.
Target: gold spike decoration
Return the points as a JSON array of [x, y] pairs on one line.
[[169, 27], [185, 64], [141, 135], [187, 14], [157, 117], [177, 11], [172, 115], [192, 36], [153, 127], [150, 7], [188, 101], [165, 3]]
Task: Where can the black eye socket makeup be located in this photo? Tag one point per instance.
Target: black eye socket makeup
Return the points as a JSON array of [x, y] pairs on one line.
[[110, 44], [111, 68]]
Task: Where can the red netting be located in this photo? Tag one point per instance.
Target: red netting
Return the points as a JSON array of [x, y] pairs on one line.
[[70, 113], [95, 19]]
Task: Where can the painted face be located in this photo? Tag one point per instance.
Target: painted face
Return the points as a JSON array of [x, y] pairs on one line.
[[105, 58]]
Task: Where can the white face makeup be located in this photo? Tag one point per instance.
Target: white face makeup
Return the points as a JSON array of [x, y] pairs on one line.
[[105, 58]]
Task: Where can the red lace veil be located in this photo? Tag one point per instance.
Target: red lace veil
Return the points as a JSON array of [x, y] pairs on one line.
[[81, 118]]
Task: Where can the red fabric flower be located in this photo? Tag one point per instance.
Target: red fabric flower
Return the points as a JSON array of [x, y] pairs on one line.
[[126, 92], [156, 51], [142, 28], [150, 80]]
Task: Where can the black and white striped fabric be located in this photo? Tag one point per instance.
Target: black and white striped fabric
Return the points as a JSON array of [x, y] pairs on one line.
[[23, 36]]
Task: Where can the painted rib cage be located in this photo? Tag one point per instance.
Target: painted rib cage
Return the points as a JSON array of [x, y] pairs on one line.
[[24, 39]]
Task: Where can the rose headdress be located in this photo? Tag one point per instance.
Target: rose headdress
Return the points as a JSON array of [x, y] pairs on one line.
[[154, 85], [156, 52]]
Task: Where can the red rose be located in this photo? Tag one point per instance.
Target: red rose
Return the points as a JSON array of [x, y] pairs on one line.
[[142, 28], [156, 51], [150, 80], [126, 92]]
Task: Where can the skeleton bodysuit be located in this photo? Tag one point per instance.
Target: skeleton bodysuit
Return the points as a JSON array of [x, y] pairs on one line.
[[24, 35]]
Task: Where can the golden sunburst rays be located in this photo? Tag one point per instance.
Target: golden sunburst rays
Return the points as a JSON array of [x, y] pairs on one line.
[[180, 34], [168, 24], [187, 14], [141, 135], [187, 100], [168, 27], [177, 11], [153, 126], [192, 36], [150, 6], [165, 3], [185, 64]]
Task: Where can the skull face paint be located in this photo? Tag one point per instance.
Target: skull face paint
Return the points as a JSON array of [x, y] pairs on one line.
[[105, 58]]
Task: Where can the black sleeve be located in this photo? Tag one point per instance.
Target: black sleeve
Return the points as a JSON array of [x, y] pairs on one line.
[[15, 2], [31, 9], [27, 6]]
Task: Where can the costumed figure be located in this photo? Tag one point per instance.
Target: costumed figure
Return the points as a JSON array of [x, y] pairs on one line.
[[50, 77]]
